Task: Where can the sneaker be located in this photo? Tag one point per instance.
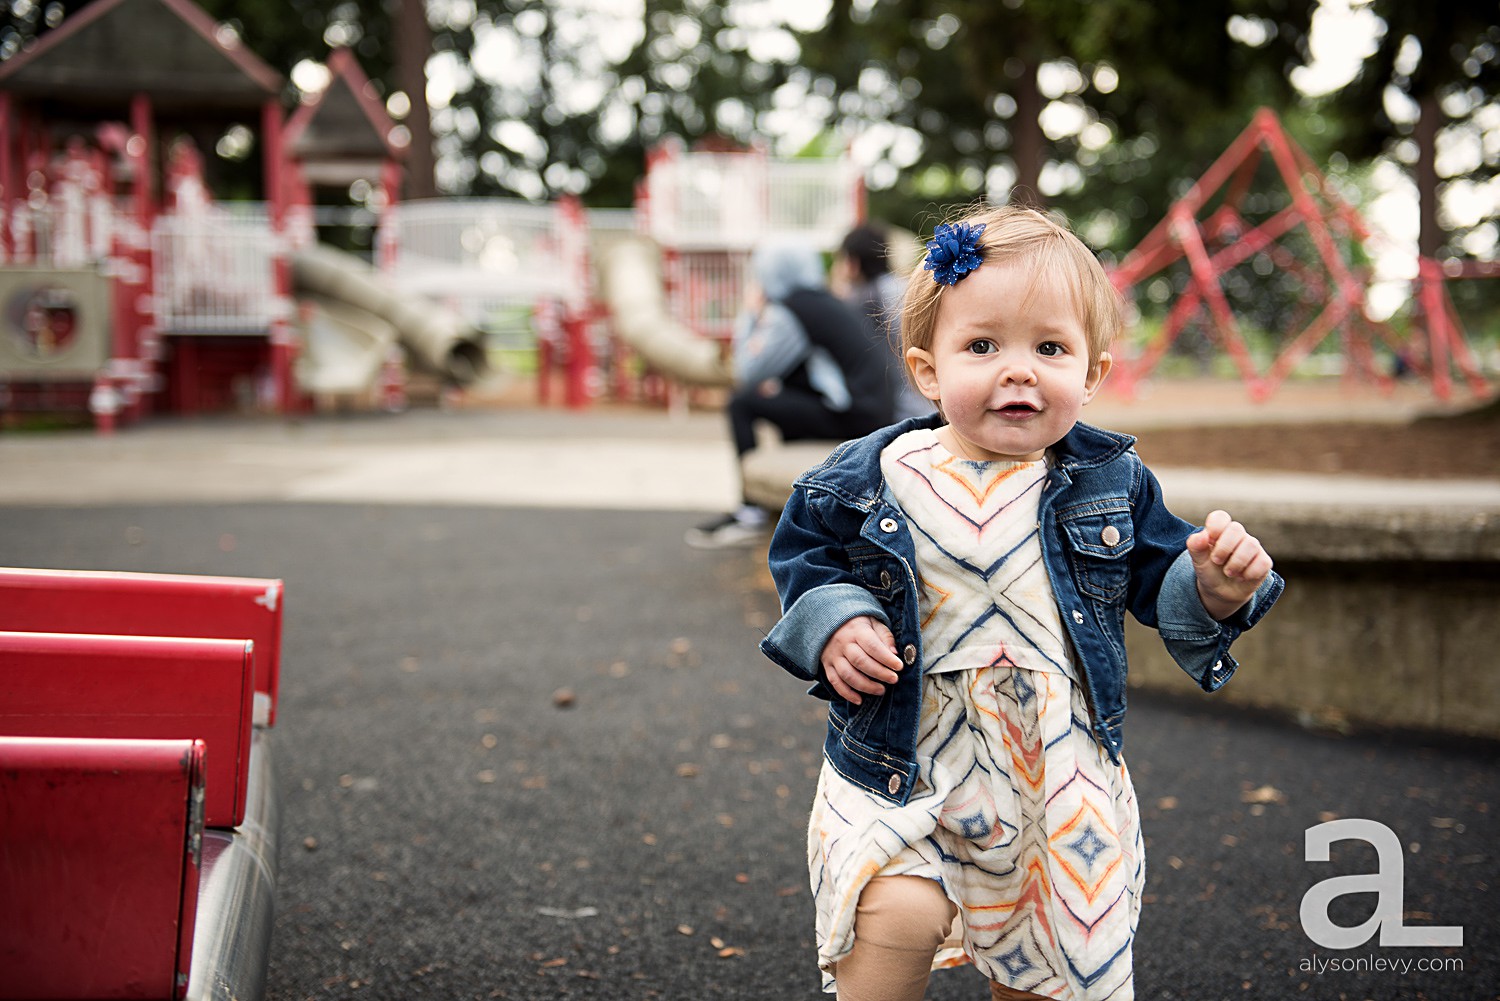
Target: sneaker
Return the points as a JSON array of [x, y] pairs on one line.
[[728, 531]]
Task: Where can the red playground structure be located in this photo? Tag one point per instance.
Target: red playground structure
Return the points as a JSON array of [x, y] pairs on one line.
[[83, 317], [1313, 240]]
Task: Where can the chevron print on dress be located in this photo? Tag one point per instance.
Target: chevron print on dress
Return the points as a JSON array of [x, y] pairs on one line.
[[1020, 816]]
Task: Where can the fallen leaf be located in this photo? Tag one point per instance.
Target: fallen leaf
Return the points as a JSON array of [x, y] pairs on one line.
[[684, 929], [1167, 803], [311, 844], [687, 770], [554, 963], [564, 698], [730, 951], [742, 877], [534, 782], [1264, 794], [1229, 841], [486, 776], [716, 942]]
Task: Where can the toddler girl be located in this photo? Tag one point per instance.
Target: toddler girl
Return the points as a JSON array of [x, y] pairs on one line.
[[956, 587]]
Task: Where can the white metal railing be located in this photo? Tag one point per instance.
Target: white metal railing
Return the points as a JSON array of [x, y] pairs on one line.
[[214, 271], [492, 260], [730, 201]]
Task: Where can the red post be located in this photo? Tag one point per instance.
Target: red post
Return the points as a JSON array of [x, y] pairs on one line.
[[282, 340], [8, 192]]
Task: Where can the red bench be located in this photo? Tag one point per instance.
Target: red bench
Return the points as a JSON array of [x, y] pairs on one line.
[[153, 687], [99, 663], [143, 604], [81, 922]]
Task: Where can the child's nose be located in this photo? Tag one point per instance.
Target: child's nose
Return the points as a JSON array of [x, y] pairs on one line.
[[1016, 367]]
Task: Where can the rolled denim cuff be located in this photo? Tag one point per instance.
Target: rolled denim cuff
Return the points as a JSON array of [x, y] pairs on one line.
[[797, 641], [1197, 641]]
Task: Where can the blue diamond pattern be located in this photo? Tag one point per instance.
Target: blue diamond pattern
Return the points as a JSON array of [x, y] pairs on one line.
[[1015, 961], [1089, 845]]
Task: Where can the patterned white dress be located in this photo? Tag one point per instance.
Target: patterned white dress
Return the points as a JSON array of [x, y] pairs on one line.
[[1031, 830]]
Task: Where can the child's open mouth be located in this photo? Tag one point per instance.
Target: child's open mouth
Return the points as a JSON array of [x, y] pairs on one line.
[[1017, 411]]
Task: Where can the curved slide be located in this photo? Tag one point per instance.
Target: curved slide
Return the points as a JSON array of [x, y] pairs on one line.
[[357, 317], [631, 283]]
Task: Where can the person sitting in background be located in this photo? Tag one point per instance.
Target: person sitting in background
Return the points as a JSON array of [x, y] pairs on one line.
[[862, 277], [805, 362]]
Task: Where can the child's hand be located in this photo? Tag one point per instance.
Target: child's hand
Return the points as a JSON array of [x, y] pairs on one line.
[[861, 657], [1229, 562]]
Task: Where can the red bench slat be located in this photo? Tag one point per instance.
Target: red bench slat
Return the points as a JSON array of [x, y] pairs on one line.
[[99, 869], [149, 687], [141, 604]]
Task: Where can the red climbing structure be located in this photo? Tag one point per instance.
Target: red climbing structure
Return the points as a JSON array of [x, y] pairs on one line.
[[1211, 230]]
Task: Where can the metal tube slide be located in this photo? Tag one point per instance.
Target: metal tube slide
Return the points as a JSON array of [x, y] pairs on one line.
[[434, 337], [631, 283]]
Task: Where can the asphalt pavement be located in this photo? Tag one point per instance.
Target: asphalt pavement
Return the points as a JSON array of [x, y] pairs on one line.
[[527, 748]]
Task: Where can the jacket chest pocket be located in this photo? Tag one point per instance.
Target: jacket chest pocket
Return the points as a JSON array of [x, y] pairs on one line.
[[878, 571], [1099, 544]]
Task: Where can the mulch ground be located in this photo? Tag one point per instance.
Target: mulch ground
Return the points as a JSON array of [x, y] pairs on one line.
[[1465, 447]]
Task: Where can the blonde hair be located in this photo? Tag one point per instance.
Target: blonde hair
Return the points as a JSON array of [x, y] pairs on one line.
[[1049, 249]]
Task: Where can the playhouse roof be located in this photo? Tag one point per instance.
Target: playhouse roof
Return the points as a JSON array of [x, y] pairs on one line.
[[169, 50], [344, 122]]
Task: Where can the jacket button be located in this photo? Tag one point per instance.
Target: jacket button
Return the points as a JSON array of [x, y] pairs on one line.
[[1077, 616], [885, 578], [888, 525], [1110, 536], [1218, 665], [909, 653], [894, 785]]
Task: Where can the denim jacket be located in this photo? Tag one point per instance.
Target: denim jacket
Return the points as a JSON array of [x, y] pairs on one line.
[[842, 549]]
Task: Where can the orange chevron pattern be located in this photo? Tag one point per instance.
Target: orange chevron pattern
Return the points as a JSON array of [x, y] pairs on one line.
[[1017, 813]]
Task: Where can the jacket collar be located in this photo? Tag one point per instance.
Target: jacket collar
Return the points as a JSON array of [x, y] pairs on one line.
[[852, 471]]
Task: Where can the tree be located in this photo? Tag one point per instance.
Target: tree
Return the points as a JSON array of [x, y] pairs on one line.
[[1431, 83], [1096, 107]]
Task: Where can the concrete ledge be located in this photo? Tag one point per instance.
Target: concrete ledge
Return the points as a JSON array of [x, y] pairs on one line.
[[1393, 592]]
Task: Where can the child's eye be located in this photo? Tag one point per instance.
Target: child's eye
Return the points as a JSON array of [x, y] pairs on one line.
[[981, 347], [1050, 349]]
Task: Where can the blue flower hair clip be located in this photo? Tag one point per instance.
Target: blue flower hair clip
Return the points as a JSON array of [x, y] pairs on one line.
[[953, 252]]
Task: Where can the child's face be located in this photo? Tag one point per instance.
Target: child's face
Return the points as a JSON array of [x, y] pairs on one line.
[[1009, 362]]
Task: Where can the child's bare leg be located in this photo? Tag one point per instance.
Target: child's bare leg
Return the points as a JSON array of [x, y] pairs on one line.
[[899, 924], [999, 992]]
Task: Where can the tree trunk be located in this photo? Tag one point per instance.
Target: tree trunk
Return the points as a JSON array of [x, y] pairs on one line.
[[413, 47], [1028, 146], [1429, 236]]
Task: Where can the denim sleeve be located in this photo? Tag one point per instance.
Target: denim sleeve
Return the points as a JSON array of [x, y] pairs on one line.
[[1166, 597], [819, 592], [1196, 640]]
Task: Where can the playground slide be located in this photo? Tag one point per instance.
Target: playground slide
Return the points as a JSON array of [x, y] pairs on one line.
[[342, 287], [631, 283], [343, 348]]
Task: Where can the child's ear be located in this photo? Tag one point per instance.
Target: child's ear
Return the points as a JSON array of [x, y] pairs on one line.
[[923, 371], [1097, 376]]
